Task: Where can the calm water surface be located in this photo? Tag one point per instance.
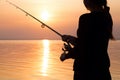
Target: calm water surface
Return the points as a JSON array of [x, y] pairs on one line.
[[39, 60]]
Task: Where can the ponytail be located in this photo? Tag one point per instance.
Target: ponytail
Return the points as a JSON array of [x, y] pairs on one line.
[[110, 28], [106, 8]]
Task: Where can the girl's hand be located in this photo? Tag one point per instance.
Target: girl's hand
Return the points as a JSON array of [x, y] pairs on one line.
[[69, 39]]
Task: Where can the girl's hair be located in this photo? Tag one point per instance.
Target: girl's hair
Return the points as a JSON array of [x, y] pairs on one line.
[[96, 3], [102, 4]]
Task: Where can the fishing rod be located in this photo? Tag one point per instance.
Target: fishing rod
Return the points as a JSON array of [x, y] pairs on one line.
[[67, 45], [43, 24]]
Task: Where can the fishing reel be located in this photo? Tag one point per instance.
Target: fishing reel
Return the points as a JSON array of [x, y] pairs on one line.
[[67, 47]]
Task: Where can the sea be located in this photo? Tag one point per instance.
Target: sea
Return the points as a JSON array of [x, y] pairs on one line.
[[39, 60]]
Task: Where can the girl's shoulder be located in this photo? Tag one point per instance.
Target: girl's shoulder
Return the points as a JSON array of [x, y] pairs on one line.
[[85, 17]]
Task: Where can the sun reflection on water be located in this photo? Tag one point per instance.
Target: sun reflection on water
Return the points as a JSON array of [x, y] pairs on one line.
[[45, 57]]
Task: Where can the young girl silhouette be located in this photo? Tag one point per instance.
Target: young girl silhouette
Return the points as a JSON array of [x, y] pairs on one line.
[[91, 44]]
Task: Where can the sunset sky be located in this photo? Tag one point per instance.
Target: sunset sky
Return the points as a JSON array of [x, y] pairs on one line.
[[61, 15]]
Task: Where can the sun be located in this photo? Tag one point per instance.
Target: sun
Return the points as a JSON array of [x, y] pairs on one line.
[[45, 15]]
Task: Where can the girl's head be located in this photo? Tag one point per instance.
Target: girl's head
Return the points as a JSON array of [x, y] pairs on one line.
[[95, 4], [98, 5]]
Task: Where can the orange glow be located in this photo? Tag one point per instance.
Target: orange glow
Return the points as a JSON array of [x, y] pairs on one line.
[[45, 57], [45, 15], [62, 15]]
